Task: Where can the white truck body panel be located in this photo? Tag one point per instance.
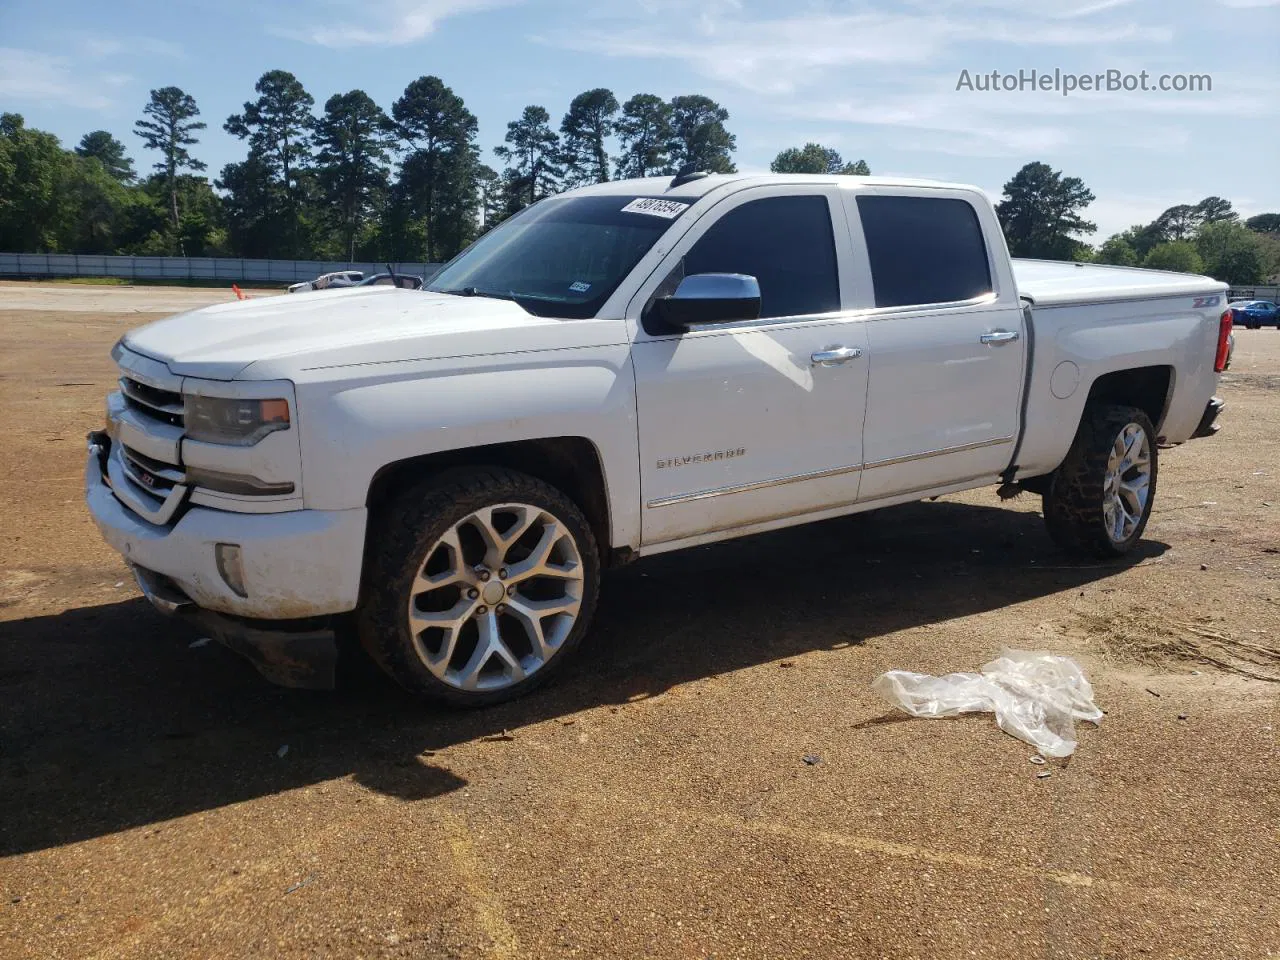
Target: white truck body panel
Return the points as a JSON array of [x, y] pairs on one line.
[[719, 431]]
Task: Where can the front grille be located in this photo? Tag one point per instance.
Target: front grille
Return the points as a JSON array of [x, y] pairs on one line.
[[164, 405], [151, 475], [145, 465]]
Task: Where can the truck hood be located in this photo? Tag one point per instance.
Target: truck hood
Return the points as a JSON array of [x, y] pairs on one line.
[[281, 337]]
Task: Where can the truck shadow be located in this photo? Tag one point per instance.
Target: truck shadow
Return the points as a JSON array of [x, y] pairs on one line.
[[110, 720]]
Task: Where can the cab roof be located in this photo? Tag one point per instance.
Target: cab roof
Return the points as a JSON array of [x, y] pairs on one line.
[[696, 189]]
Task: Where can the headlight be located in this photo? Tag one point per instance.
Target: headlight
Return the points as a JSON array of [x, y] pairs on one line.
[[239, 423]]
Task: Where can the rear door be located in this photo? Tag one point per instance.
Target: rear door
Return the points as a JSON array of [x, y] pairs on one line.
[[946, 343]]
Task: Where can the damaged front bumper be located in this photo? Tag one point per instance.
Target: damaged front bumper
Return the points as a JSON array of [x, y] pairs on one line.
[[300, 655], [301, 570]]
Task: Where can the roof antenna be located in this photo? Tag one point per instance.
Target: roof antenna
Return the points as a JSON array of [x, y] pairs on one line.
[[687, 174]]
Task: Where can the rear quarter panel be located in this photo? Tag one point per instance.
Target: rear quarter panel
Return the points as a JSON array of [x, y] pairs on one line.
[[1083, 342]]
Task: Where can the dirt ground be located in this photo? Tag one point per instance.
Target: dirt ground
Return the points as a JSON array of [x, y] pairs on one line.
[[654, 801], [30, 296]]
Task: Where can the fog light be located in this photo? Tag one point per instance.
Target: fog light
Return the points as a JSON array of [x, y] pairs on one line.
[[230, 567]]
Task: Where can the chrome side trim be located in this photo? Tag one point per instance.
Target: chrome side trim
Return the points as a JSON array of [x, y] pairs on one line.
[[747, 487], [961, 448], [821, 474], [729, 531]]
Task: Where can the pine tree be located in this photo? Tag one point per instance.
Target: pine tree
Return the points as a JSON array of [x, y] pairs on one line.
[[532, 154], [584, 130], [172, 122], [698, 135], [107, 150], [438, 176], [353, 140], [644, 130]]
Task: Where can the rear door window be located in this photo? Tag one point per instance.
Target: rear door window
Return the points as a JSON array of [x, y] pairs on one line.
[[924, 250]]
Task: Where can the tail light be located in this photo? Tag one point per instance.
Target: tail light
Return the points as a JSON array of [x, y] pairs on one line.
[[1224, 343]]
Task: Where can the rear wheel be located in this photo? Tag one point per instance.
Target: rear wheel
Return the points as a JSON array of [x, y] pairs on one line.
[[1100, 499], [480, 585]]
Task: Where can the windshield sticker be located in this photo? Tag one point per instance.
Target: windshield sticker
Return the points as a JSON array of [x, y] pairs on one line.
[[667, 209], [579, 287]]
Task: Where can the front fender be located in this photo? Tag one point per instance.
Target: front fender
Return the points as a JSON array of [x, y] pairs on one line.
[[356, 420]]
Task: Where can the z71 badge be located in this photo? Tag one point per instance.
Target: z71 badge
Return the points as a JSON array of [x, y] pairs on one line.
[[1201, 303]]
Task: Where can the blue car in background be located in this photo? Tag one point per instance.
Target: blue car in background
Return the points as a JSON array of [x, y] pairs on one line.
[[1255, 314]]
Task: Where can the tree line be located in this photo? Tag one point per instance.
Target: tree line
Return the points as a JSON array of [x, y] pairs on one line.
[[351, 181], [1042, 216]]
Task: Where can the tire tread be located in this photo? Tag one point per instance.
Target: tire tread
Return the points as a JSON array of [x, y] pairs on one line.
[[1073, 506]]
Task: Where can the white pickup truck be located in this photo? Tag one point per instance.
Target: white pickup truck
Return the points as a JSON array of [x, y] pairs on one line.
[[620, 371]]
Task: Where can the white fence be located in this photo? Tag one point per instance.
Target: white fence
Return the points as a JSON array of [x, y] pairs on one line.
[[1254, 293], [188, 268]]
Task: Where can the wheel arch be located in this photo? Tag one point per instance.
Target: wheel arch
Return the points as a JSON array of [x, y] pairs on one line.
[[572, 465], [1148, 388]]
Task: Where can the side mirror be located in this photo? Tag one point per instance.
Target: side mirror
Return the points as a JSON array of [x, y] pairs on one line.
[[710, 298]]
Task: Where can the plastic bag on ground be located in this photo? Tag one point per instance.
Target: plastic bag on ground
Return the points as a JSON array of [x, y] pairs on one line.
[[1036, 697]]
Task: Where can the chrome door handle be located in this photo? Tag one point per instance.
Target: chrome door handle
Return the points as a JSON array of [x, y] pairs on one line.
[[835, 356], [1000, 336]]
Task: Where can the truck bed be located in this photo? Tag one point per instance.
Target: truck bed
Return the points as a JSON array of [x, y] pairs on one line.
[[1059, 283]]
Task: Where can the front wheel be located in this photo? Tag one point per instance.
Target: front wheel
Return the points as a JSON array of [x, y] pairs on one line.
[[480, 584], [1100, 499]]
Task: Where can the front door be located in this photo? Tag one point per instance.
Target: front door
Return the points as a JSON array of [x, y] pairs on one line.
[[755, 421]]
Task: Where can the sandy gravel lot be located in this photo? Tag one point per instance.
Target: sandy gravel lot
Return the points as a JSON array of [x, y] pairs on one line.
[[30, 297], [654, 801]]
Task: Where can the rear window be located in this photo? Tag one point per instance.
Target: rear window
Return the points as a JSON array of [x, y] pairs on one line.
[[924, 250]]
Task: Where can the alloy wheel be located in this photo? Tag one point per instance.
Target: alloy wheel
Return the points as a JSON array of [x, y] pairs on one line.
[[496, 597], [1127, 487]]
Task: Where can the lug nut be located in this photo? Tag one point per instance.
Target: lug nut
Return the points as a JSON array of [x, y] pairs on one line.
[[481, 611], [484, 576], [511, 591], [473, 594], [504, 573], [501, 609]]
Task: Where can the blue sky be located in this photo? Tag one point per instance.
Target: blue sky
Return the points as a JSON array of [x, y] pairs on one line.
[[873, 80]]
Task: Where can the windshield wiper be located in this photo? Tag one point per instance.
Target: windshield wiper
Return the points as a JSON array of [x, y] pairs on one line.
[[477, 292]]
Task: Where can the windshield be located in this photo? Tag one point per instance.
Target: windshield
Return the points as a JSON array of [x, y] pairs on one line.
[[562, 257]]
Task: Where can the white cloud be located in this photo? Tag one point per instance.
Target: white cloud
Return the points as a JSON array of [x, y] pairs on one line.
[[781, 56], [936, 124], [934, 116], [1070, 13], [394, 23], [100, 47], [1116, 214], [1061, 10], [30, 76]]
